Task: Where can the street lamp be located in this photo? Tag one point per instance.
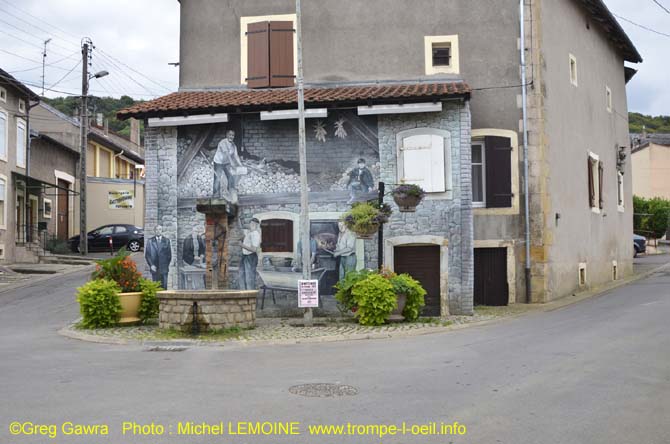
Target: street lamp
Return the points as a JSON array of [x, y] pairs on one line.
[[83, 124]]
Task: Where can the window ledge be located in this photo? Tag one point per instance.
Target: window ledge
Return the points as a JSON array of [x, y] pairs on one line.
[[595, 210], [621, 209]]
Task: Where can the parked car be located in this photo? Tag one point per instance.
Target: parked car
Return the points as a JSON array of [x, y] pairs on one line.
[[640, 244], [122, 235]]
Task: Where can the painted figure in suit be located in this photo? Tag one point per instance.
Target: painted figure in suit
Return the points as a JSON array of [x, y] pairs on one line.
[[158, 254], [194, 247]]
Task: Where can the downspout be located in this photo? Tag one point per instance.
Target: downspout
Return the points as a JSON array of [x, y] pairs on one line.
[[524, 105]]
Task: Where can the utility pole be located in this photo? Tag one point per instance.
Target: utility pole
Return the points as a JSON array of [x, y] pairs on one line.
[[306, 250], [44, 60], [83, 126]]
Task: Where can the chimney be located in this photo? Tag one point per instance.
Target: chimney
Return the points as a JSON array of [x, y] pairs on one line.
[[135, 131], [644, 132], [106, 127], [99, 119]]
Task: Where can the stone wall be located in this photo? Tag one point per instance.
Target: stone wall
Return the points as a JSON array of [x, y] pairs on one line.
[[216, 310]]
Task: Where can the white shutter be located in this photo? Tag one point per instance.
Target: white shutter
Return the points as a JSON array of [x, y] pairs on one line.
[[423, 162]]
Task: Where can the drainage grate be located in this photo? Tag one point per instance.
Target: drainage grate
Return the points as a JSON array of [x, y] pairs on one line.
[[323, 390], [166, 349]]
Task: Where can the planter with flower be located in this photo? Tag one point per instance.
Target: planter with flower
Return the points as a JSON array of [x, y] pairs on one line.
[[408, 197], [365, 218]]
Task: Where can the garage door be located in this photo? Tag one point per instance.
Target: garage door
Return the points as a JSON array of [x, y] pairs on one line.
[[423, 264], [491, 286]]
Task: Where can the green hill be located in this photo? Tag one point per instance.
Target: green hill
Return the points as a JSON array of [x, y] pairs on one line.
[[659, 124]]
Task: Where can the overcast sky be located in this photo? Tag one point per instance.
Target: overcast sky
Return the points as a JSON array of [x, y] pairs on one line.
[[143, 35]]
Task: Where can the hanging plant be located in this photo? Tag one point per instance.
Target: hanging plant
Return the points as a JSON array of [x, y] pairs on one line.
[[365, 218], [320, 132], [408, 197], [339, 128]]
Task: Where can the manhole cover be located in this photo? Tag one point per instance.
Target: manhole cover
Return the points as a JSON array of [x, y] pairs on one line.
[[323, 390], [166, 349]]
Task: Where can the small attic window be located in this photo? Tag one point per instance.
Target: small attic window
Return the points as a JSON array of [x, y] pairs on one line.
[[22, 106], [573, 70], [3, 95]]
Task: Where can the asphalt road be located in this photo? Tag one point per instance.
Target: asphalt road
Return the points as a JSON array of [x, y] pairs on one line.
[[593, 372]]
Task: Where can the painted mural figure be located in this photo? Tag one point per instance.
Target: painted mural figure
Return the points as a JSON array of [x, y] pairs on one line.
[[345, 250], [313, 248], [194, 248], [360, 180], [158, 254], [226, 161], [251, 246]]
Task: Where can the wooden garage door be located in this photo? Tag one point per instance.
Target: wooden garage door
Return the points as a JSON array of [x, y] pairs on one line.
[[491, 277], [423, 264]]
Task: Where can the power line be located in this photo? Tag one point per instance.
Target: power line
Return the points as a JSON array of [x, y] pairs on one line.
[[20, 56], [41, 20], [41, 29], [122, 71], [51, 65], [661, 6], [641, 26], [66, 75], [134, 70]]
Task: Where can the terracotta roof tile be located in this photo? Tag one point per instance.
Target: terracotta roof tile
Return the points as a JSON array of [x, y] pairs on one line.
[[181, 103]]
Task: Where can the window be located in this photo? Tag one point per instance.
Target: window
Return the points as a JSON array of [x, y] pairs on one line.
[[595, 179], [478, 175], [121, 229], [4, 134], [91, 163], [582, 274], [22, 106], [47, 208], [105, 231], [608, 98], [277, 236], [422, 161], [105, 163], [615, 271], [20, 144], [3, 95], [268, 51], [441, 54], [3, 200], [620, 192], [573, 70]]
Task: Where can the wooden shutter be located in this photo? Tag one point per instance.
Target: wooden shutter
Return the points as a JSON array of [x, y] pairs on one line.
[[281, 54], [423, 162], [258, 55], [498, 172], [277, 236], [601, 174], [592, 190]]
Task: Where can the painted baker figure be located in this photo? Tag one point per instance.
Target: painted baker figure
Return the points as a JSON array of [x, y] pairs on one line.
[[158, 254]]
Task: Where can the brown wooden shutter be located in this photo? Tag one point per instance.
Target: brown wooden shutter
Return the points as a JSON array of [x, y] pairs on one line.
[[277, 236], [498, 172], [601, 175], [258, 55], [592, 190], [281, 54]]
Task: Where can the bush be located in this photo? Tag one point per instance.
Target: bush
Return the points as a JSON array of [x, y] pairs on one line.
[[99, 303], [651, 216], [375, 298], [405, 284], [120, 269], [149, 305], [343, 295]]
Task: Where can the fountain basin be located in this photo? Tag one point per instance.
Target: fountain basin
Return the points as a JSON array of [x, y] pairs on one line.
[[216, 309]]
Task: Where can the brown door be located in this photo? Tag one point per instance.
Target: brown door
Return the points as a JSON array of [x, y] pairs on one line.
[[423, 264], [491, 286], [63, 210]]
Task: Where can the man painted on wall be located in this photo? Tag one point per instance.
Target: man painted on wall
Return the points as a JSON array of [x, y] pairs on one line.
[[226, 161], [345, 249], [251, 247], [360, 180], [194, 248], [158, 254]]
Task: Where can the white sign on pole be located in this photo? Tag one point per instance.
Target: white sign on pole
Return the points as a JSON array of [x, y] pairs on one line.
[[308, 294]]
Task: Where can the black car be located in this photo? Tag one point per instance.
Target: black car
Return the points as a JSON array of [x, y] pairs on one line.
[[122, 235], [640, 244]]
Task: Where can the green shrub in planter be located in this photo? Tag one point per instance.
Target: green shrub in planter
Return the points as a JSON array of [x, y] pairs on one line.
[[99, 303], [405, 284], [375, 298], [149, 305], [343, 296]]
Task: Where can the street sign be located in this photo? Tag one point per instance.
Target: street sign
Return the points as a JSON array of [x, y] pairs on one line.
[[308, 293]]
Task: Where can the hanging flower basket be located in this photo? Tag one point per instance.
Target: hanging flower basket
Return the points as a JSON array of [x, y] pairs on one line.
[[408, 197], [365, 218]]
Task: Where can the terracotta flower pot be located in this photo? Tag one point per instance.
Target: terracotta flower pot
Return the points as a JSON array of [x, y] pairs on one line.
[[367, 234], [407, 203], [396, 315], [130, 307]]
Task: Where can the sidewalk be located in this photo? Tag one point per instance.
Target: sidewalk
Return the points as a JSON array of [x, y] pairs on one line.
[[22, 275], [275, 331]]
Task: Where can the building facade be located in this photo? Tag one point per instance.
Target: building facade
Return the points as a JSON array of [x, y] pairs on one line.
[[576, 127], [651, 166]]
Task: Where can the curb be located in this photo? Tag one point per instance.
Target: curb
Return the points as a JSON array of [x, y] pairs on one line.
[[43, 277], [234, 344]]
